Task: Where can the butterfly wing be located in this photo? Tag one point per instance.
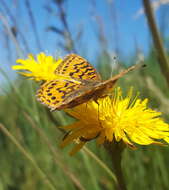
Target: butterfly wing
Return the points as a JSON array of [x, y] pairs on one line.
[[54, 93], [61, 94], [77, 67], [92, 90]]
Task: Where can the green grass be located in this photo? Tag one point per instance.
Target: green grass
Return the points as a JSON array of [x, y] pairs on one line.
[[32, 159]]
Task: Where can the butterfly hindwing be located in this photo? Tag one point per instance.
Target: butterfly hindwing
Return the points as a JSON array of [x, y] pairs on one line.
[[54, 93]]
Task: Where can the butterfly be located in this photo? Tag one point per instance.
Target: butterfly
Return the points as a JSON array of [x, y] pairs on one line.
[[81, 83]]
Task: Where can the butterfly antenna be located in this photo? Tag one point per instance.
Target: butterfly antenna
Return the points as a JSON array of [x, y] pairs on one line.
[[140, 60], [114, 64]]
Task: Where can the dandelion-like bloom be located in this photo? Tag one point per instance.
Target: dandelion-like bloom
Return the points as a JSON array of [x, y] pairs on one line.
[[40, 69], [112, 118], [116, 119]]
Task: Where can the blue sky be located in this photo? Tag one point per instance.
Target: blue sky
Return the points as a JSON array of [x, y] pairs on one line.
[[79, 14]]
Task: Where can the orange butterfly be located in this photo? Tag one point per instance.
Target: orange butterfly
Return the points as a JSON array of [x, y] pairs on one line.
[[82, 83]]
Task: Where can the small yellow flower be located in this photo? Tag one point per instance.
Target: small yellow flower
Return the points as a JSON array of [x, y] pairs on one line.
[[114, 119], [41, 69]]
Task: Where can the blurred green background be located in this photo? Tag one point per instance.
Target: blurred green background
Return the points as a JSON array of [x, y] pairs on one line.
[[30, 156]]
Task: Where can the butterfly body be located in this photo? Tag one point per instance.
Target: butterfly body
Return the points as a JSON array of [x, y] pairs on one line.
[[82, 84]]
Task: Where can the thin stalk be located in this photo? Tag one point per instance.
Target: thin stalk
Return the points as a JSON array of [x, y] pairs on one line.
[[33, 23], [101, 163], [14, 20], [11, 35], [115, 150], [65, 24], [45, 178], [91, 174], [55, 154], [85, 149], [161, 54], [69, 42]]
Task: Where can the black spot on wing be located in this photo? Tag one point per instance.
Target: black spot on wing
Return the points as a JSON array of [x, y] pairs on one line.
[[85, 66], [66, 85], [91, 73], [93, 77], [89, 69], [53, 97]]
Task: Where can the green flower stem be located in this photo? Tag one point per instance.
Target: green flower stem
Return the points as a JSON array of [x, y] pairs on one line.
[[115, 149]]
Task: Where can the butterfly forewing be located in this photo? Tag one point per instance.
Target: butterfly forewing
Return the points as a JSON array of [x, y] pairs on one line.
[[77, 67]]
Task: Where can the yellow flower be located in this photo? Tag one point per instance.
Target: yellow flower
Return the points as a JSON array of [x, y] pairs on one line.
[[112, 118], [41, 69], [116, 119]]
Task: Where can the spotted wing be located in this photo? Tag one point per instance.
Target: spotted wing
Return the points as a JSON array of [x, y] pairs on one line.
[[77, 67], [93, 90], [61, 94], [54, 93]]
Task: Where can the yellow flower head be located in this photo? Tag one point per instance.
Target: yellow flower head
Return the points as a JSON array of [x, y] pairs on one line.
[[112, 118], [38, 69], [116, 119]]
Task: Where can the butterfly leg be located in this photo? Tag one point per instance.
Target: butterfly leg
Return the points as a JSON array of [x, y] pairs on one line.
[[98, 113], [64, 137]]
